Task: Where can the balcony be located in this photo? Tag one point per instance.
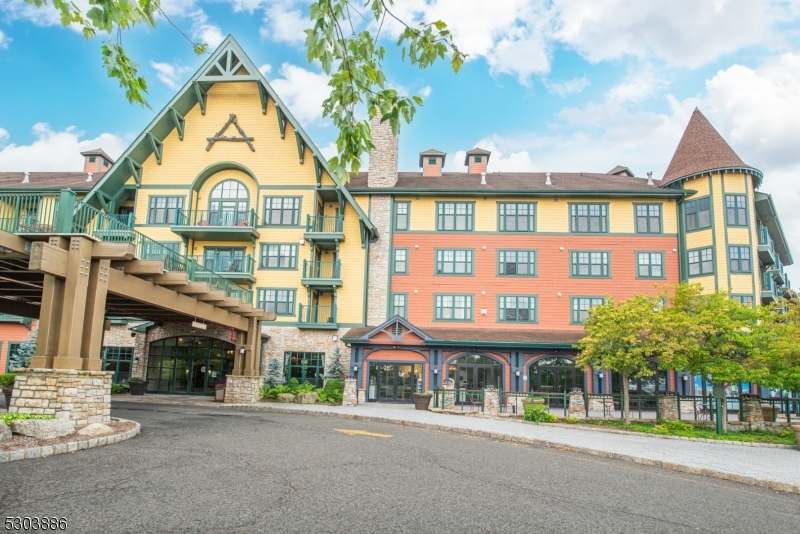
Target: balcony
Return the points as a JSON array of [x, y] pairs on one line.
[[776, 270], [769, 291], [240, 269], [115, 227], [766, 248], [322, 275], [324, 230], [787, 286], [317, 317], [226, 225]]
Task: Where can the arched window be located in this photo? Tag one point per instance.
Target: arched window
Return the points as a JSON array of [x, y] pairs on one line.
[[228, 204], [476, 371], [554, 374]]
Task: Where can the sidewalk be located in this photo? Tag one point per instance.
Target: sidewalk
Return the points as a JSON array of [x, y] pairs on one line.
[[775, 468]]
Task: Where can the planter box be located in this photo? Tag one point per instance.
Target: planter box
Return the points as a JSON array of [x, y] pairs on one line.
[[421, 401], [138, 388], [770, 413]]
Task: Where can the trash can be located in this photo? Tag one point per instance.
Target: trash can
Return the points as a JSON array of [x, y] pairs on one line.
[[219, 393]]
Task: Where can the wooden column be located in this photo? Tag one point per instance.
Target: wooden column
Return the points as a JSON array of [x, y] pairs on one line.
[[253, 348], [49, 316], [76, 288], [94, 316]]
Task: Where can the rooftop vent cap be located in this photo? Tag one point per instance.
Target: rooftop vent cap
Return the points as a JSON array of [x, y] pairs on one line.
[[27, 178], [650, 178], [483, 178], [90, 176], [548, 182]]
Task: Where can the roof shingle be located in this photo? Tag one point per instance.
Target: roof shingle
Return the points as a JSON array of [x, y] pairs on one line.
[[49, 180], [496, 335]]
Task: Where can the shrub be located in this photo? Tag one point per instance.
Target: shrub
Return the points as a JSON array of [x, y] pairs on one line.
[[332, 392], [135, 379], [538, 413], [571, 420], [272, 393], [7, 380], [120, 388], [8, 417]]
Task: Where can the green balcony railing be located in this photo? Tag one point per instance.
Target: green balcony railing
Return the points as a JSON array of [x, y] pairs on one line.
[[316, 314], [324, 224], [321, 269], [216, 218], [767, 283], [28, 213], [226, 264]]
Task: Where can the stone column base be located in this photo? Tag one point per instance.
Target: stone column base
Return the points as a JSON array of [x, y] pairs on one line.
[[577, 406], [491, 402], [243, 389], [668, 408], [362, 396], [70, 395], [751, 410], [350, 394]]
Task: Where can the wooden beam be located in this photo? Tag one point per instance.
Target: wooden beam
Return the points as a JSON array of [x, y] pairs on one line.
[[171, 279], [139, 267], [14, 242], [76, 289], [106, 250], [50, 314], [269, 316], [192, 288], [243, 308], [48, 259], [216, 295], [229, 302], [94, 316], [134, 288], [255, 313], [23, 309]]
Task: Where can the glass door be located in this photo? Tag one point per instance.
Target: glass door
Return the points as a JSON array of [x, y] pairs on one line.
[[394, 382], [404, 383], [199, 372], [182, 366]]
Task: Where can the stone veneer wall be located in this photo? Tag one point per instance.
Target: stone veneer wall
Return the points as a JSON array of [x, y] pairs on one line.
[[289, 338], [70, 395], [380, 213], [242, 389], [382, 158], [120, 336]]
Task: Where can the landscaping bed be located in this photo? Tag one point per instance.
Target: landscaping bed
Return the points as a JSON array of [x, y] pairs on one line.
[[23, 442], [685, 430]]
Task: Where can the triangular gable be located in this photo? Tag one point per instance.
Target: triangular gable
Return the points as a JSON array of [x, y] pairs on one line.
[[228, 63], [396, 329]]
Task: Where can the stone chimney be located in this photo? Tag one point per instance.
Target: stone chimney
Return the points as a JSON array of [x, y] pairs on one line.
[[383, 158], [432, 161], [96, 161], [476, 161]]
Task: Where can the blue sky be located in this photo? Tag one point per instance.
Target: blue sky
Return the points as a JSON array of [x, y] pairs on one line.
[[550, 85]]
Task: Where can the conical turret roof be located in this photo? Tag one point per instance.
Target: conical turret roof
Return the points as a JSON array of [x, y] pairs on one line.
[[701, 148]]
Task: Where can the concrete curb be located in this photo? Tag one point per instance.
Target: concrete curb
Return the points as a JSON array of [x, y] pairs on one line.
[[713, 473], [70, 446]]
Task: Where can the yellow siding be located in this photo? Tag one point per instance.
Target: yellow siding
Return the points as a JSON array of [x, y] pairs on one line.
[[701, 238], [701, 185], [741, 284], [718, 213], [738, 236], [751, 207], [706, 281], [736, 183]]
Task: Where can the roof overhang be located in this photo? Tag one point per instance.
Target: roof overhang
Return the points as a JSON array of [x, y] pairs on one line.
[[768, 215], [673, 193], [758, 176]]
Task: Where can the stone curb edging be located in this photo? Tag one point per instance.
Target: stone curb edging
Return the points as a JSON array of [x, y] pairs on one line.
[[70, 446], [775, 485]]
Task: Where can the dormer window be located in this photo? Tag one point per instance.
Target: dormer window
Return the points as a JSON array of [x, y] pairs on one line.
[[91, 159], [431, 161], [477, 159], [475, 162], [105, 163]]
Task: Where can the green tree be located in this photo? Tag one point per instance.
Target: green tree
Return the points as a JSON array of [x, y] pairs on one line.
[[26, 350], [274, 373], [709, 334], [335, 367], [777, 362], [343, 39], [618, 338]]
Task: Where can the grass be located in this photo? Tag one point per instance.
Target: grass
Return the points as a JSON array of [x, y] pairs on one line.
[[682, 429], [8, 417]]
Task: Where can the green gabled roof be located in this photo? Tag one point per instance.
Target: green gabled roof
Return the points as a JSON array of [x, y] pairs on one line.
[[228, 63]]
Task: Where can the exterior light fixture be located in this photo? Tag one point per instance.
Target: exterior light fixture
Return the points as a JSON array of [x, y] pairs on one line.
[[335, 338], [686, 377], [302, 242], [559, 293], [241, 350], [517, 373], [600, 375], [355, 368], [436, 371], [416, 291]]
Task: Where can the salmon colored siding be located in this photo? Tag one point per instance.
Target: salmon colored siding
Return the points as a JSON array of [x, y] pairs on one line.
[[12, 333], [432, 170], [390, 355], [553, 274]]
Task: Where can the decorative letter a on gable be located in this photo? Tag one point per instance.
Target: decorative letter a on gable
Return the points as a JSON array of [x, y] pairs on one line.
[[219, 137]]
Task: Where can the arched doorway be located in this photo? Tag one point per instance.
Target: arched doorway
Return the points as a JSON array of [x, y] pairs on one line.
[[228, 204], [645, 385], [554, 374], [188, 364], [476, 371]]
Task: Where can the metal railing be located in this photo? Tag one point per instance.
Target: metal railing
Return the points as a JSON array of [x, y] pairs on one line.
[[767, 283], [511, 402], [321, 269], [764, 239], [226, 264], [63, 213], [324, 223], [460, 399], [313, 314], [216, 218]]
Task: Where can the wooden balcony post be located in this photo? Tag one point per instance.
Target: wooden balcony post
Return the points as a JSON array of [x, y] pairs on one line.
[[94, 316], [76, 288], [49, 316]]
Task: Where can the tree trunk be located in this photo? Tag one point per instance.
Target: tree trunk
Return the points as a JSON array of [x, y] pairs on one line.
[[625, 399]]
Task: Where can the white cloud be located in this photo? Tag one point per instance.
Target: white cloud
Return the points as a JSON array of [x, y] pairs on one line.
[[562, 89], [426, 91], [329, 150], [177, 8], [3, 134], [265, 68], [4, 40], [57, 151], [285, 21], [641, 83], [302, 91], [169, 74], [204, 31]]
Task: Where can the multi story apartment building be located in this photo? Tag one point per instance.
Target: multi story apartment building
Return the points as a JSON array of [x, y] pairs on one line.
[[479, 276]]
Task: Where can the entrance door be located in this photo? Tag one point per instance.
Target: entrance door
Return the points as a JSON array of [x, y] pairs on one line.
[[394, 382], [477, 376], [199, 368]]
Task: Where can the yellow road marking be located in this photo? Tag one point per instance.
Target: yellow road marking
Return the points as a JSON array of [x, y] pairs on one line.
[[362, 433]]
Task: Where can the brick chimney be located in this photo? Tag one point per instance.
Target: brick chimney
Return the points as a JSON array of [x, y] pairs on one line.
[[383, 158], [432, 161], [476, 161], [96, 161]]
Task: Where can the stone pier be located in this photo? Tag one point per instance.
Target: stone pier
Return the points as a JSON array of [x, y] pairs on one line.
[[668, 408], [243, 389], [80, 396], [491, 402], [751, 409], [350, 394], [577, 406]]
